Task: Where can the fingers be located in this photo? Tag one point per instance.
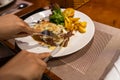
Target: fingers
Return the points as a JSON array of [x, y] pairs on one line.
[[36, 30], [40, 55], [26, 28], [29, 29], [44, 55], [21, 35]]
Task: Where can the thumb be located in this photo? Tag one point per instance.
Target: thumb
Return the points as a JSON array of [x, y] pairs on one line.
[[44, 55]]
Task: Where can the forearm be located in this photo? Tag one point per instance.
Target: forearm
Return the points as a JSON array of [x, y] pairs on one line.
[[11, 77]]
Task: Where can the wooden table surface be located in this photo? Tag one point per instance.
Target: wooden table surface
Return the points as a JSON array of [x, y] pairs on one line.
[[104, 11], [36, 5]]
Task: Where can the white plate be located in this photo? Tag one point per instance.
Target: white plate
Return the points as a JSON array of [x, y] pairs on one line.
[[76, 42], [5, 2]]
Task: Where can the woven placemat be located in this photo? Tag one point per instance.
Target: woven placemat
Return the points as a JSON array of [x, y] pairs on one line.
[[93, 61]]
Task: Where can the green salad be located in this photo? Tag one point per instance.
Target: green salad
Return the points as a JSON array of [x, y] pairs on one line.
[[56, 16]]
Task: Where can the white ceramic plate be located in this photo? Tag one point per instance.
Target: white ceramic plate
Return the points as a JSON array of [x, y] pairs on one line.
[[76, 42], [5, 2]]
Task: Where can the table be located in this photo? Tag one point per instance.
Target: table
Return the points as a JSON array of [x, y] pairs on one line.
[[95, 17], [96, 61]]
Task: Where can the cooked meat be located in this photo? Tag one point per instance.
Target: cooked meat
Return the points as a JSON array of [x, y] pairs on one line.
[[52, 34]]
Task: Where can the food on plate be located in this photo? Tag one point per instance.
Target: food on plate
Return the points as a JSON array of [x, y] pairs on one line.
[[67, 19], [53, 34], [56, 16], [73, 24], [59, 28], [69, 12]]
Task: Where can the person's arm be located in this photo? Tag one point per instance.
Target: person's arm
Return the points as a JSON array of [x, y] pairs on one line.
[[24, 66], [12, 26]]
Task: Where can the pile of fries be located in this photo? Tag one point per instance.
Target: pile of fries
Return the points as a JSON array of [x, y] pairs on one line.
[[73, 24]]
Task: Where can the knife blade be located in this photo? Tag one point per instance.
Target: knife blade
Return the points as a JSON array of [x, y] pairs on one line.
[[55, 51]]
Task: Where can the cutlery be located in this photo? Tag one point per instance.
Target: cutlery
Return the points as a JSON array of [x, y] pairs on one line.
[[19, 6], [22, 5], [56, 50], [39, 33], [46, 33]]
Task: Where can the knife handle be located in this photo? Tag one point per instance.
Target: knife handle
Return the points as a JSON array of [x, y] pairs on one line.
[[47, 59]]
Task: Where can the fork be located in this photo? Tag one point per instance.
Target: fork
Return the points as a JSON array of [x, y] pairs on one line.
[[55, 51]]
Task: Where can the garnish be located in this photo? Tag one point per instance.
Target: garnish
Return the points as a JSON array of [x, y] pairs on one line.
[[56, 16]]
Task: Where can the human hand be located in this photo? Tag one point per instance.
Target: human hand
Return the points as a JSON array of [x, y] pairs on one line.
[[12, 26], [24, 66]]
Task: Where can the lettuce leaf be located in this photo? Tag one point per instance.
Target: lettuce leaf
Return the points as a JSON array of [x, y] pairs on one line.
[[56, 16]]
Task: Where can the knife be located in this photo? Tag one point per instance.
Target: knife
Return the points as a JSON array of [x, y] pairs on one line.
[[55, 51]]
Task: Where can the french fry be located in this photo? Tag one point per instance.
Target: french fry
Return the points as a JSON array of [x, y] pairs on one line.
[[66, 25], [67, 19], [74, 19], [69, 12], [73, 24], [81, 29], [83, 24], [72, 27]]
